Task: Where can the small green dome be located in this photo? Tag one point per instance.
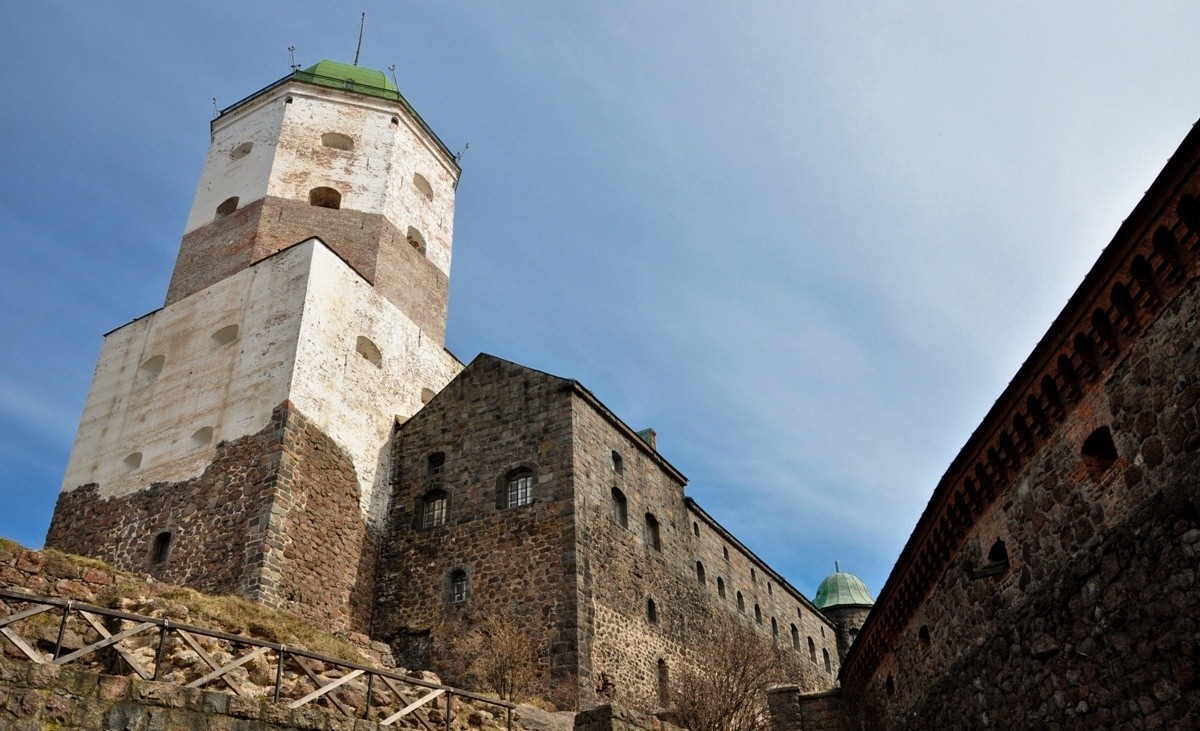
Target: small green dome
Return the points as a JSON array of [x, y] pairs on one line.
[[338, 75], [841, 589]]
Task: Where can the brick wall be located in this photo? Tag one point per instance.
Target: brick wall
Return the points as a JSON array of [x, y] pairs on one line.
[[368, 242]]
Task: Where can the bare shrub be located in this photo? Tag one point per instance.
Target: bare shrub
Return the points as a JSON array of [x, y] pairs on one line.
[[726, 691], [499, 656]]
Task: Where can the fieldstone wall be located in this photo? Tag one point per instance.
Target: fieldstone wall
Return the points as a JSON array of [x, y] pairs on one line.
[[794, 710], [622, 571], [610, 717], [519, 562], [1092, 620], [274, 517], [368, 242]]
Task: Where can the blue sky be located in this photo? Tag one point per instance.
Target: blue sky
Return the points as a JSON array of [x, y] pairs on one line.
[[809, 243]]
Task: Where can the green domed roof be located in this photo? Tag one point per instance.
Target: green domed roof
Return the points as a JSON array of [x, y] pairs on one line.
[[338, 75], [840, 589]]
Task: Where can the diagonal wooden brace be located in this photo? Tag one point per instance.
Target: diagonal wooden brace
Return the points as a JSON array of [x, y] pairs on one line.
[[325, 689], [317, 681], [211, 663], [106, 642], [125, 654], [411, 707], [23, 646], [24, 615], [404, 698], [220, 672]]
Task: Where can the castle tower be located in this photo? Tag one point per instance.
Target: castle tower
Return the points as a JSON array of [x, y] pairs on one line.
[[236, 439], [845, 599]]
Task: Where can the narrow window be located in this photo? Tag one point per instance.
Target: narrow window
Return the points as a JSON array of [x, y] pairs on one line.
[[202, 436], [434, 465], [774, 628], [795, 638], [653, 539], [368, 350], [664, 690], [422, 185], [162, 547], [459, 588], [769, 588], [416, 240], [229, 205], [700, 572], [132, 461], [741, 602], [828, 666], [757, 614], [620, 513], [651, 611], [753, 576], [890, 686], [241, 150], [396, 121], [923, 636], [337, 141], [288, 100], [433, 509], [812, 651], [725, 550], [1099, 452], [720, 587], [225, 335], [618, 463], [695, 529], [998, 553], [519, 488], [325, 197]]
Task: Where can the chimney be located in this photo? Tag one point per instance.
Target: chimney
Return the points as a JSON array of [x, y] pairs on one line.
[[649, 436]]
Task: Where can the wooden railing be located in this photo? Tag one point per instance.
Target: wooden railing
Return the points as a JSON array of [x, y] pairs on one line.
[[365, 692]]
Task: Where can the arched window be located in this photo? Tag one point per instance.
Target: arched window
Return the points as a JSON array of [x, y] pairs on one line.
[[769, 588], [651, 611], [1098, 451], [161, 548], [812, 651], [202, 436], [890, 686], [369, 350], [828, 666], [132, 461], [416, 240], [741, 602], [720, 587], [774, 628], [337, 141], [434, 508], [618, 463], [795, 638], [695, 529], [725, 551], [519, 487], [998, 553], [458, 588], [700, 572], [620, 513], [757, 614], [225, 335], [653, 539], [152, 367], [422, 185], [241, 151], [325, 197], [753, 576], [229, 205], [923, 636]]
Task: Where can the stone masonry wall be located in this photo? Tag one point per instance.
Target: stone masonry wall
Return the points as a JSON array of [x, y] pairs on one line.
[[1093, 623], [274, 517], [794, 710], [622, 572], [494, 418], [368, 242]]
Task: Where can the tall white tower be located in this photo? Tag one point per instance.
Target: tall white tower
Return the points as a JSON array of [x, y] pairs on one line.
[[236, 439]]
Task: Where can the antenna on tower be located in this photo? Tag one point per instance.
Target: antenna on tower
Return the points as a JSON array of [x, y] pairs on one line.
[[392, 68], [214, 107], [292, 59], [361, 22], [458, 157]]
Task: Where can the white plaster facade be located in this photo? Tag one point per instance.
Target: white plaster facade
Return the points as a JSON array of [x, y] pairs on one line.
[[287, 159], [299, 316]]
